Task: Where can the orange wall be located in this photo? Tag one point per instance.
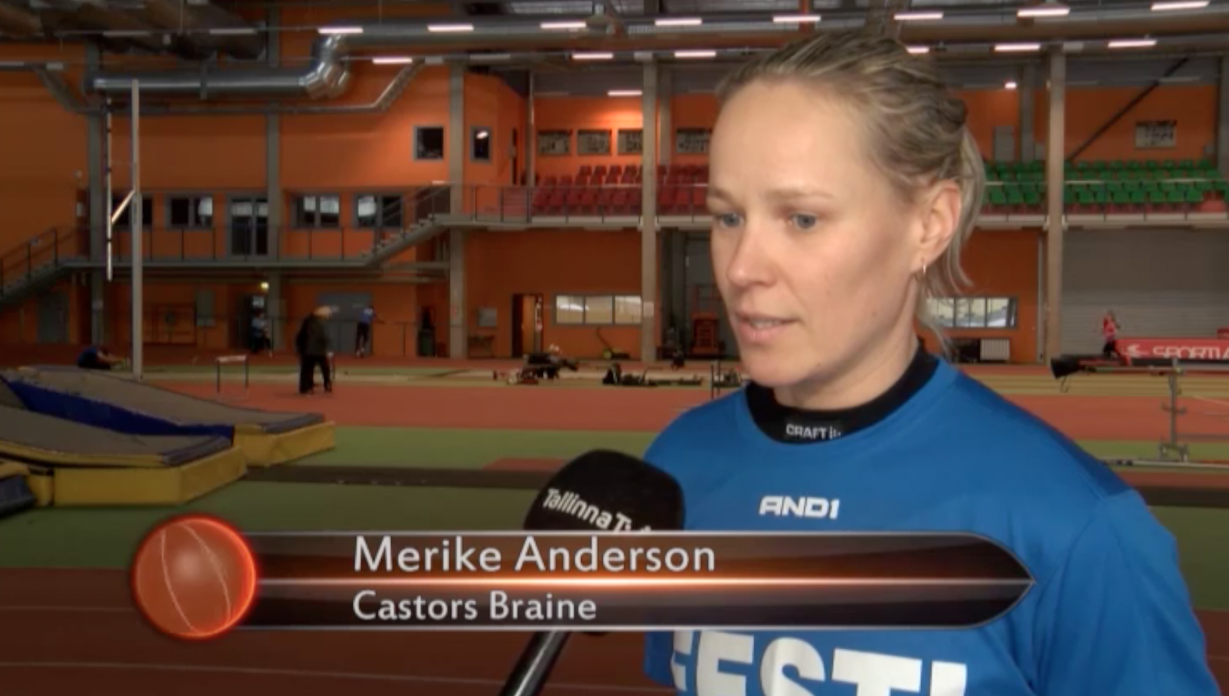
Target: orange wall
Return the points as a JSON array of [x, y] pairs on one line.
[[1193, 107], [1004, 264], [550, 263], [42, 148], [583, 113]]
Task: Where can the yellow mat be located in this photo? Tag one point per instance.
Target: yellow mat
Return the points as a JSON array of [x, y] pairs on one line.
[[264, 449], [169, 485]]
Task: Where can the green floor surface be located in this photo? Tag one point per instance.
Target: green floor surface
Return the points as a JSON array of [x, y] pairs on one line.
[[107, 537], [457, 448]]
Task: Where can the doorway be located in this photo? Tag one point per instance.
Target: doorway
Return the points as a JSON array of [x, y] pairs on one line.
[[516, 161], [526, 324]]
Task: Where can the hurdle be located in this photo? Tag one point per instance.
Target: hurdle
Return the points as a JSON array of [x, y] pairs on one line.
[[231, 360]]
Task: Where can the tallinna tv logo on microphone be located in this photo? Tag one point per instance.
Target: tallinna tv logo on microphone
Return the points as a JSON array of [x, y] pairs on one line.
[[570, 503]]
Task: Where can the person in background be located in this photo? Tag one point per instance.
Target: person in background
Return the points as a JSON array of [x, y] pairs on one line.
[[1109, 331], [312, 344], [260, 333], [362, 337], [843, 185], [98, 358]]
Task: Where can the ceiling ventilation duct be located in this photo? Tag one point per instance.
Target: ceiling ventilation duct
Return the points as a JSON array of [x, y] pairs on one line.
[[328, 73], [18, 23]]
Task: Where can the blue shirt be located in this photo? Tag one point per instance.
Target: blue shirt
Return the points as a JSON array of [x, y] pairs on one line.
[[1110, 614]]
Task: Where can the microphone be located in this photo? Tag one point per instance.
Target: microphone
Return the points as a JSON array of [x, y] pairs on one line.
[[585, 495]]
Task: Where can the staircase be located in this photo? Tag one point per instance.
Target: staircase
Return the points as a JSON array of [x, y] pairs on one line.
[[429, 204], [38, 263]]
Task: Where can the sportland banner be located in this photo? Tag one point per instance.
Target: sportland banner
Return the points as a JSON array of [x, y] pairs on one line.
[[1213, 349]]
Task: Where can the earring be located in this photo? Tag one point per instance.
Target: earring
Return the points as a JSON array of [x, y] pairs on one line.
[[922, 273]]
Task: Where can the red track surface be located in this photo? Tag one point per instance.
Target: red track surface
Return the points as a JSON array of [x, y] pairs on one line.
[[74, 631]]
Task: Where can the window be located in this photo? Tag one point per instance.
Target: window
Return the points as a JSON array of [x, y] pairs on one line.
[[190, 212], [377, 211], [974, 312], [631, 141], [124, 222], [480, 144], [597, 310], [429, 142], [317, 211]]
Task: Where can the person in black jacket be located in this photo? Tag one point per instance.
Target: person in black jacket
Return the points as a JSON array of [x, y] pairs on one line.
[[312, 343]]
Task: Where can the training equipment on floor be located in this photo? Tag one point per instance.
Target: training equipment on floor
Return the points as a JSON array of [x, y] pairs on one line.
[[616, 377], [118, 403]]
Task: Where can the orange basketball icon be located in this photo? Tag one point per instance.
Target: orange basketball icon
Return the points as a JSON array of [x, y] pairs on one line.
[[194, 577]]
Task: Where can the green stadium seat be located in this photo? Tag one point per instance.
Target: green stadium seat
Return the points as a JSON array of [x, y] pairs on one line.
[[996, 195], [1156, 197], [1194, 196]]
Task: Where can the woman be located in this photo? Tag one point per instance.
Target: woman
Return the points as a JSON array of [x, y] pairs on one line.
[[843, 186], [1109, 331]]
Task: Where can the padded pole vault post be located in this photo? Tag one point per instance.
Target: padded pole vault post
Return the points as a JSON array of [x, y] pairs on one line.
[[1055, 219], [138, 302]]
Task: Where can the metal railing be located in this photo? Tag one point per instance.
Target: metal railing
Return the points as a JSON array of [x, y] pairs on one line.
[[39, 257]]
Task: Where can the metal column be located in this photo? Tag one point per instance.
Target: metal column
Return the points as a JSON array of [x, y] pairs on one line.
[[1055, 220], [458, 310], [648, 216], [1222, 119], [138, 299], [1027, 94], [99, 204]]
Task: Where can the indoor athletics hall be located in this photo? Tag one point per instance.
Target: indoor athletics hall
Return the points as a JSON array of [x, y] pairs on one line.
[[498, 212]]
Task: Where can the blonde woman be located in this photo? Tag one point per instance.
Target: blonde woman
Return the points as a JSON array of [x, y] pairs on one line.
[[843, 186]]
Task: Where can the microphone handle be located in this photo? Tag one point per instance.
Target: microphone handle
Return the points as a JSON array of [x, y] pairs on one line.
[[535, 664]]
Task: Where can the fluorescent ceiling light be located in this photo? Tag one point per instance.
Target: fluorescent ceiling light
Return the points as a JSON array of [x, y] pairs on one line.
[[1046, 10], [340, 30], [392, 60], [624, 93], [483, 135], [1017, 47], [796, 19], [592, 56], [679, 22], [1180, 5], [562, 25], [1010, 85], [1132, 43], [449, 28], [695, 54], [916, 50], [918, 16]]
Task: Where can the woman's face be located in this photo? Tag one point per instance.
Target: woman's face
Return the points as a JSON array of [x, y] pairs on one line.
[[813, 251]]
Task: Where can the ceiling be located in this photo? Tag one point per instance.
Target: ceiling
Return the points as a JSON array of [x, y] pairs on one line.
[[220, 35]]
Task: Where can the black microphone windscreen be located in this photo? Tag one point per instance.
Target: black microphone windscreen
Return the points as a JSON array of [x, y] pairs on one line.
[[610, 491]]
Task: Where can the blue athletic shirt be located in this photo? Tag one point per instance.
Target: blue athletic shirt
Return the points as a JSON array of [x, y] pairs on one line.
[[1109, 615]]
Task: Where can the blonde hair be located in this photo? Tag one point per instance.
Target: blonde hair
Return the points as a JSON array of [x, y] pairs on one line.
[[917, 127]]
